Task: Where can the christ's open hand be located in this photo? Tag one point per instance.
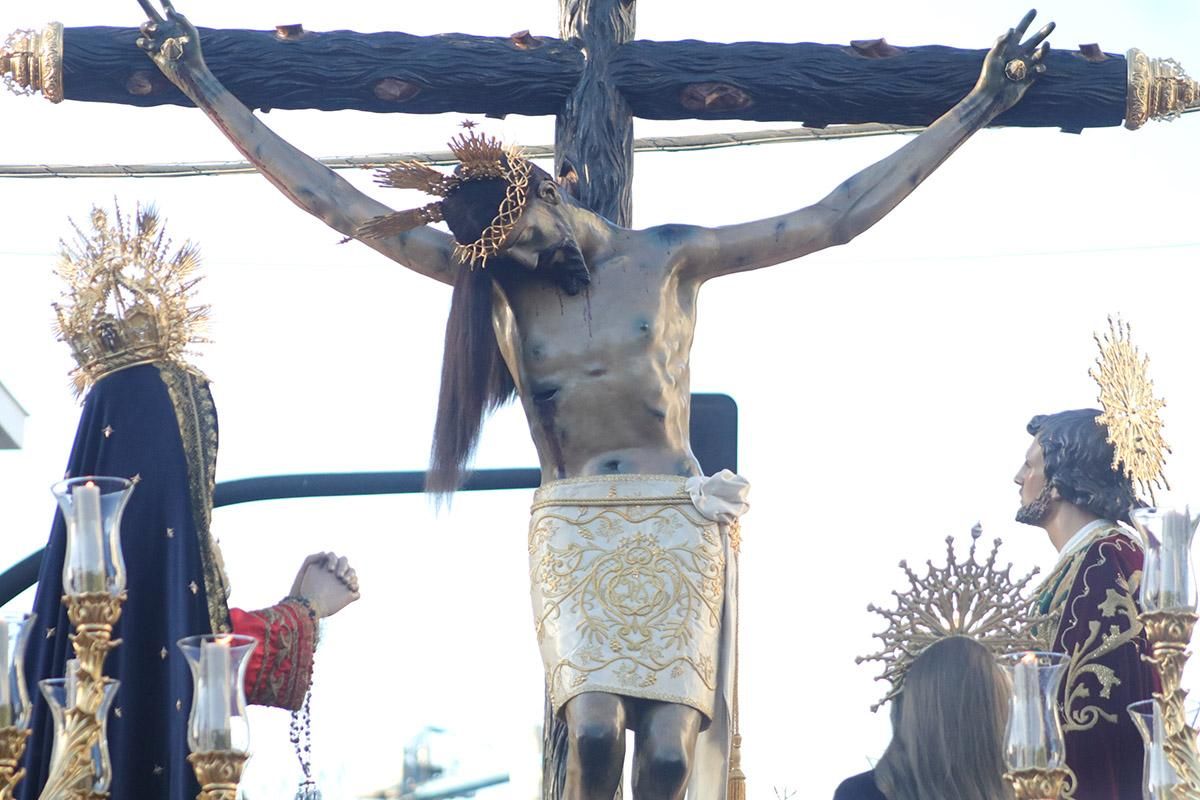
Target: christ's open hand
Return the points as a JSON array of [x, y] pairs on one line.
[[1011, 66], [170, 40]]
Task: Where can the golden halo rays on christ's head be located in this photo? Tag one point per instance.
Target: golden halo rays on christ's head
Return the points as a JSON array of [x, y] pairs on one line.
[[1130, 409]]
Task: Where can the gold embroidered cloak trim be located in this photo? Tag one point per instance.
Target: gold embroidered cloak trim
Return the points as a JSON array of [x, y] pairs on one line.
[[196, 415]]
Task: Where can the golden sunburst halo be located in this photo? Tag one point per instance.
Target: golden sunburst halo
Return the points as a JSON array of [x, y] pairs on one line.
[[964, 598], [1130, 409]]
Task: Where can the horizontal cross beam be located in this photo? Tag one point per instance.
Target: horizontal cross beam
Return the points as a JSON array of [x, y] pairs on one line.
[[818, 84]]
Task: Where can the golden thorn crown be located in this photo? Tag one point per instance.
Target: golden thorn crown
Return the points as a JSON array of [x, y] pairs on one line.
[[1130, 409], [127, 296], [964, 598], [480, 158]]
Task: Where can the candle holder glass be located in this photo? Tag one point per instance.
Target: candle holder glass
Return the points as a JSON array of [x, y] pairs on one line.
[[93, 591], [92, 506], [15, 707], [218, 731], [1168, 599], [14, 702], [1160, 781], [1168, 580], [218, 717], [79, 764], [1034, 749]]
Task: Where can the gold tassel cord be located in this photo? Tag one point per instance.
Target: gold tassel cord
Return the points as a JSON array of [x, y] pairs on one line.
[[736, 784], [736, 789]]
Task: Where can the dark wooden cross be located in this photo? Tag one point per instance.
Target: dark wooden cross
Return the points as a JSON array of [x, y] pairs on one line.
[[596, 78]]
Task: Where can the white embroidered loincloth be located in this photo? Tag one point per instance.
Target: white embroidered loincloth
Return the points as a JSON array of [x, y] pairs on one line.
[[629, 585]]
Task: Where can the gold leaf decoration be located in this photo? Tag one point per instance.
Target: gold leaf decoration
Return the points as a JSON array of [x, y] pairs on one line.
[[1130, 409]]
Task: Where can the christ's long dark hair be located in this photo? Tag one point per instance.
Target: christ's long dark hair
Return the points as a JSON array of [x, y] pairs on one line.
[[475, 379]]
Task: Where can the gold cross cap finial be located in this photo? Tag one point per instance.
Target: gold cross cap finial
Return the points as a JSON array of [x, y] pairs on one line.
[[32, 61]]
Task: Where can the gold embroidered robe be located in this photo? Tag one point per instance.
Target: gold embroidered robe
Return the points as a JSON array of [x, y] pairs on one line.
[[1091, 600]]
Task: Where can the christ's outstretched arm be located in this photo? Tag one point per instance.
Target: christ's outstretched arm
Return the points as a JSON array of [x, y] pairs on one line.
[[174, 44], [1008, 70]]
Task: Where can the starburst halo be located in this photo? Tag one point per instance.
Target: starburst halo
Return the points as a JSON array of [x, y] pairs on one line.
[[127, 295], [964, 598], [1130, 409]]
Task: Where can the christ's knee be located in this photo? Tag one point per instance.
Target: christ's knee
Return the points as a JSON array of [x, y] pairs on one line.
[[597, 745], [663, 771]]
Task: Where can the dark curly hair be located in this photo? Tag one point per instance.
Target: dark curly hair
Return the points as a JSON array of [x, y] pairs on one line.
[[1079, 463]]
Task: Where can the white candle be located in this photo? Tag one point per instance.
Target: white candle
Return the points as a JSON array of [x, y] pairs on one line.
[[217, 697], [6, 672], [1161, 772], [1028, 722], [71, 683], [1174, 560], [88, 558]]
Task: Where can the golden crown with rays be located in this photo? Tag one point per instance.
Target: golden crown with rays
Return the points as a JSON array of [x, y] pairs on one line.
[[964, 598], [480, 158], [127, 296], [1130, 409]]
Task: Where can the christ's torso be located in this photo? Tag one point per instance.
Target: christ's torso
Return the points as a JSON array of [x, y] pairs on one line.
[[603, 375]]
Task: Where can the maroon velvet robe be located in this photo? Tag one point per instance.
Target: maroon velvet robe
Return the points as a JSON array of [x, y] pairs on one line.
[[1091, 598]]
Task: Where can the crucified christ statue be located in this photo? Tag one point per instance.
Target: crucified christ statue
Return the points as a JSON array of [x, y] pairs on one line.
[[632, 551]]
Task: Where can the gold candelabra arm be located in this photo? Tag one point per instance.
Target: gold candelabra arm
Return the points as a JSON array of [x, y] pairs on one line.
[[12, 745], [1169, 633], [32, 61], [1158, 88], [218, 772], [93, 614], [1041, 784], [72, 776]]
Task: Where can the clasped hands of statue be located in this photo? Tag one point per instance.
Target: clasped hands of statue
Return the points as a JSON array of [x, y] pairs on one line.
[[1009, 68], [327, 583]]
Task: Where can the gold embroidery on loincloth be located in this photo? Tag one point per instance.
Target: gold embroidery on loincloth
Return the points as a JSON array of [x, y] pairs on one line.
[[628, 595]]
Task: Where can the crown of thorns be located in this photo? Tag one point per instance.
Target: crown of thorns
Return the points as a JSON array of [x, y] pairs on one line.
[[480, 158]]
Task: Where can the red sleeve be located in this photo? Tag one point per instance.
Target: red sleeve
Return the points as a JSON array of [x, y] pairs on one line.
[[1101, 632], [280, 669]]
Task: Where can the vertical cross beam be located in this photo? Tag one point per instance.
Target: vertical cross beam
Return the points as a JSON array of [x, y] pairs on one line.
[[594, 130]]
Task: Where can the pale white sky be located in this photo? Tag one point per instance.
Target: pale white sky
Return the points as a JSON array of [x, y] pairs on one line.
[[883, 386]]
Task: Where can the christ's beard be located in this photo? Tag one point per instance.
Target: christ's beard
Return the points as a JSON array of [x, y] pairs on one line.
[[567, 266], [1035, 513]]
